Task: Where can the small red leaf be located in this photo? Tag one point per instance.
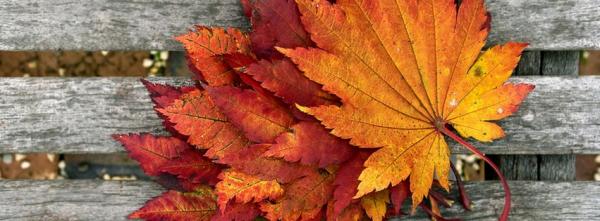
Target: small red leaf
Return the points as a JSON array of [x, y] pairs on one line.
[[172, 182], [238, 212], [398, 194], [176, 206], [285, 80], [346, 181], [310, 143], [259, 117], [276, 23], [191, 165], [151, 151], [353, 212]]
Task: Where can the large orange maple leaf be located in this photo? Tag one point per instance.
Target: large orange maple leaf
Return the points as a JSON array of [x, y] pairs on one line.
[[405, 71]]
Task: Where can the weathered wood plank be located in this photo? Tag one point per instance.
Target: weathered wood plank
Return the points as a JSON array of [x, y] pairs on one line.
[[150, 24], [108, 24], [113, 200], [519, 167], [541, 167], [78, 115], [555, 63], [532, 200], [73, 200]]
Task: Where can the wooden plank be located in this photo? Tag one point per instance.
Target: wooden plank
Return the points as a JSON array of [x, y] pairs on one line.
[[150, 24], [73, 200], [78, 115], [519, 167], [556, 63], [534, 167], [107, 24], [541, 167], [113, 200], [560, 63], [532, 200]]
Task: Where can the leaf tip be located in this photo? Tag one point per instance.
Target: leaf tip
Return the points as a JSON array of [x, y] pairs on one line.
[[304, 109]]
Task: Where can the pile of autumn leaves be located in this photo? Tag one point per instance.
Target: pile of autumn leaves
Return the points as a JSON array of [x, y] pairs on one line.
[[240, 148], [242, 145]]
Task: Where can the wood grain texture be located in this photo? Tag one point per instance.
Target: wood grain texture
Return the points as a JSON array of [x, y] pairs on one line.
[[546, 24], [519, 167], [78, 115], [540, 167], [151, 24], [113, 200], [558, 63], [73, 200], [532, 200], [557, 167], [95, 25]]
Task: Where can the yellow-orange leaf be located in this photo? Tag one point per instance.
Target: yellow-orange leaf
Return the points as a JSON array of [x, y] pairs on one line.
[[245, 188], [375, 204], [404, 70]]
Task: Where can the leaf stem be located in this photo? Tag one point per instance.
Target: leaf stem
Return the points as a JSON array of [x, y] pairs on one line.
[[454, 136], [464, 198]]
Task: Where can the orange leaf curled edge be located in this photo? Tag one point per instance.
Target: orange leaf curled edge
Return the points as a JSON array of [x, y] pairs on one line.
[[404, 70], [245, 188], [303, 199]]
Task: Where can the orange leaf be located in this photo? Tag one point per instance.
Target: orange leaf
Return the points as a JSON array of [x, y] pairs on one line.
[[205, 45], [175, 206], [375, 204], [195, 115], [259, 117], [245, 188], [404, 70], [310, 143], [303, 199]]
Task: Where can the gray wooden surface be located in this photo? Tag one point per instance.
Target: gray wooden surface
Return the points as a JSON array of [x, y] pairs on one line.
[[78, 115], [150, 24], [108, 24], [541, 167], [113, 200]]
